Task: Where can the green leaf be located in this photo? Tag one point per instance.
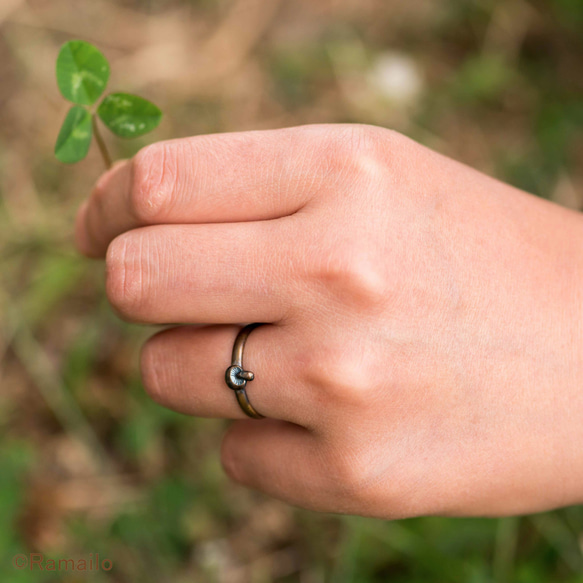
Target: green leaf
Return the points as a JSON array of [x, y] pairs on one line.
[[82, 72], [128, 116], [75, 136]]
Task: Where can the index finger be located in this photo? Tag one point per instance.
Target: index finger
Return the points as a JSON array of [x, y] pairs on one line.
[[245, 176]]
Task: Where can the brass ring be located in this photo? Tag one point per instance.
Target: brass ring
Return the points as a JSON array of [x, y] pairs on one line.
[[236, 376]]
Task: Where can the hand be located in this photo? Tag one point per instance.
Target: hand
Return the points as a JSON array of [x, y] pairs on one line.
[[424, 346]]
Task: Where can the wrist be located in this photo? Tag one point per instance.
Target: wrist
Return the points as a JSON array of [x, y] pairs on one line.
[[572, 342]]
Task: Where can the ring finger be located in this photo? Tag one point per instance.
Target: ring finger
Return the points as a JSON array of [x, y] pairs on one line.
[[184, 369]]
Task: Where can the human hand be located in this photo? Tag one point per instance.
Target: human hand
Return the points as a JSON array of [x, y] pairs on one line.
[[423, 353]]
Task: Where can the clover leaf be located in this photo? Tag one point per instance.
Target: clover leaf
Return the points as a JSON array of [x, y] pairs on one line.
[[128, 116], [82, 72], [75, 136], [82, 76]]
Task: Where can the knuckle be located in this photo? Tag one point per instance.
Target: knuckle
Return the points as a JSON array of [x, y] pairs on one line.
[[352, 157], [368, 152], [338, 375], [361, 480], [352, 274], [328, 150], [370, 155], [124, 281], [153, 182], [351, 475]]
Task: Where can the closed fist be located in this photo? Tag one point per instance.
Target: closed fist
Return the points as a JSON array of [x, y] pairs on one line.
[[422, 351]]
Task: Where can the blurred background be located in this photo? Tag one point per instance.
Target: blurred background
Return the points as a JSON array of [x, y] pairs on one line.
[[87, 463]]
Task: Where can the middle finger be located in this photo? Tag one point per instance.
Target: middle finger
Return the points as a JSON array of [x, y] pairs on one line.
[[209, 273]]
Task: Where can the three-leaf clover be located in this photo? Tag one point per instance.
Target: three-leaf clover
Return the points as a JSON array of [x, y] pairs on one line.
[[82, 75]]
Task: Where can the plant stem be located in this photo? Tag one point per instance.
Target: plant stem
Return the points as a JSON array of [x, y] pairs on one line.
[[100, 142]]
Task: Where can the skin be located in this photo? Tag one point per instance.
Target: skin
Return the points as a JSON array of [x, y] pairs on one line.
[[423, 352]]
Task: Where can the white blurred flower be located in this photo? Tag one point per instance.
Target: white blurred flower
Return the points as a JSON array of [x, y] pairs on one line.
[[396, 76]]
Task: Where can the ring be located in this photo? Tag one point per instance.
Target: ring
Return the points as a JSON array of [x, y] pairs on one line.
[[236, 377]]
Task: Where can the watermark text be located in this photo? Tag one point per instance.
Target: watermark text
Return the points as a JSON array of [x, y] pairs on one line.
[[39, 562]]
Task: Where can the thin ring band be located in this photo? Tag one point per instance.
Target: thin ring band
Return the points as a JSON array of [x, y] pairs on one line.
[[236, 376]]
